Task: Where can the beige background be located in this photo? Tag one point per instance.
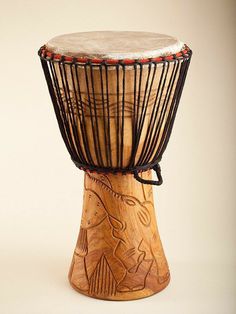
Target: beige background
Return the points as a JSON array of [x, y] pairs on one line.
[[41, 190]]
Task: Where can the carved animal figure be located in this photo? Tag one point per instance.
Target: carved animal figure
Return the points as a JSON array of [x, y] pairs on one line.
[[136, 253]]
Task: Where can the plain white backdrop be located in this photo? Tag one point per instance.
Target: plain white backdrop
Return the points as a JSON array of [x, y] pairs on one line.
[[41, 190]]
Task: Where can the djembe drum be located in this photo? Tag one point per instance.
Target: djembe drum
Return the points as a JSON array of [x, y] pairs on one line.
[[115, 96]]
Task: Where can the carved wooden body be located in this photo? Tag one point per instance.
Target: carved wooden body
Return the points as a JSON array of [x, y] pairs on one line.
[[118, 255]]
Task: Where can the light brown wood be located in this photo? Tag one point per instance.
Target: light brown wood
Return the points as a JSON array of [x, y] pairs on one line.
[[118, 255]]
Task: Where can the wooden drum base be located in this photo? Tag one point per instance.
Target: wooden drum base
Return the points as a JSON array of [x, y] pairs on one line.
[[118, 255]]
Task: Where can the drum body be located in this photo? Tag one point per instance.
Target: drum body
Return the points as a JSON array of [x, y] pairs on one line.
[[115, 117]]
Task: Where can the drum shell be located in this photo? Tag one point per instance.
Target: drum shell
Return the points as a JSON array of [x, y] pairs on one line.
[[116, 114]]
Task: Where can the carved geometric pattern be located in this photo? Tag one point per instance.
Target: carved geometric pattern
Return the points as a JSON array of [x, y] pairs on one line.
[[102, 281], [82, 243]]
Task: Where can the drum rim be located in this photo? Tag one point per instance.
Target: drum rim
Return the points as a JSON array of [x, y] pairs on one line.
[[45, 54]]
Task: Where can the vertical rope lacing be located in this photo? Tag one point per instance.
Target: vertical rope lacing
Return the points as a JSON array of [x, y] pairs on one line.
[[99, 104]]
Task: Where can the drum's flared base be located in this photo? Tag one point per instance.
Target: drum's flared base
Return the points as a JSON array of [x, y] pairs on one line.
[[127, 296], [119, 255]]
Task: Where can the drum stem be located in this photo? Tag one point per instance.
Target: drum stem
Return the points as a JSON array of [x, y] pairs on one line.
[[119, 255]]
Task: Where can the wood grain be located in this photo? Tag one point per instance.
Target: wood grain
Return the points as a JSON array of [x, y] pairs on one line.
[[118, 255]]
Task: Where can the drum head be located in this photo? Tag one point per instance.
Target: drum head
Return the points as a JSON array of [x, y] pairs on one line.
[[114, 45]]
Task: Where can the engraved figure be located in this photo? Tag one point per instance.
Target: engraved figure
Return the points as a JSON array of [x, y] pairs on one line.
[[136, 253]]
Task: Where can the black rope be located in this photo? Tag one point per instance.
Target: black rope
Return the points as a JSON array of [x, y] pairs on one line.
[[92, 101], [157, 169]]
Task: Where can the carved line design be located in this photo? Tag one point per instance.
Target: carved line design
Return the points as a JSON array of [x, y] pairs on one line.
[[99, 101], [143, 215], [134, 261], [102, 281], [71, 105], [82, 243], [119, 225]]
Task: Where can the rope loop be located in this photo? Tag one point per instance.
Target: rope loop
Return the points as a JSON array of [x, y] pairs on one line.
[[157, 169]]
